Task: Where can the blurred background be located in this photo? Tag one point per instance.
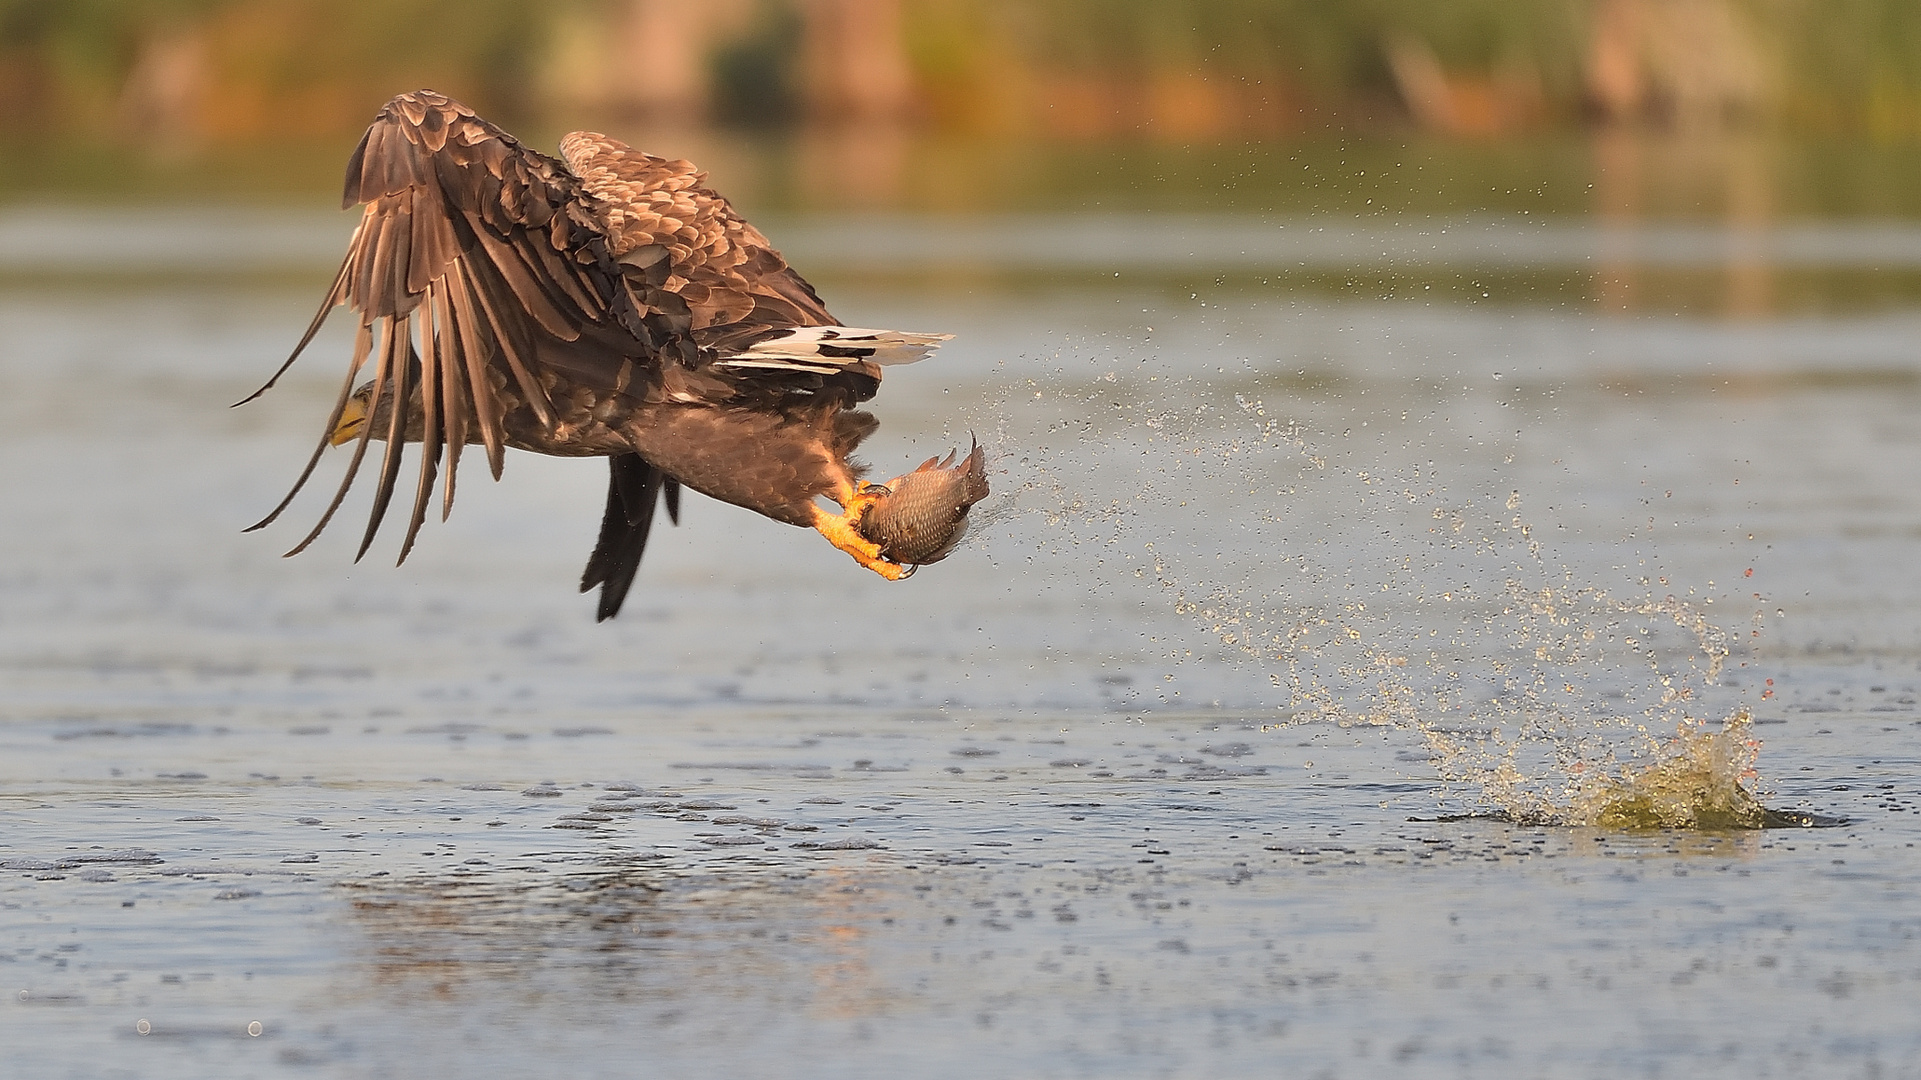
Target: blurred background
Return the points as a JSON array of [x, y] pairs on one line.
[[1738, 112]]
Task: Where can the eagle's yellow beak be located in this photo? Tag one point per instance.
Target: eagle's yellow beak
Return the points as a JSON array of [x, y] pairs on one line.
[[352, 419]]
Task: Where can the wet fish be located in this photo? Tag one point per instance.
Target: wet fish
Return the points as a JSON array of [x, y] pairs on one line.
[[919, 518]]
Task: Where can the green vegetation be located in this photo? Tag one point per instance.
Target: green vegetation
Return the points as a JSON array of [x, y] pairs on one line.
[[1363, 106], [257, 66], [752, 75]]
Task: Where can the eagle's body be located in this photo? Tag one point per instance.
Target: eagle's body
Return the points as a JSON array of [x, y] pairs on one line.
[[606, 303]]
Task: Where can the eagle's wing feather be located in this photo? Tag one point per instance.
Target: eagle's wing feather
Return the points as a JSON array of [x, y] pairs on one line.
[[478, 245], [682, 246]]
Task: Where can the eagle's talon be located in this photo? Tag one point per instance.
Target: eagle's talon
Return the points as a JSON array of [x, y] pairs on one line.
[[855, 506], [842, 531]]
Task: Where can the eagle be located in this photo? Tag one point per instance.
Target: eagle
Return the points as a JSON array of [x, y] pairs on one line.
[[606, 303]]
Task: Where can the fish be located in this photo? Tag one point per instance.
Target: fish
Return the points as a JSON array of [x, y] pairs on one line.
[[920, 517]]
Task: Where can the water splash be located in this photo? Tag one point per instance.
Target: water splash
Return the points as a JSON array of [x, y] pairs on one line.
[[1376, 595], [1699, 779]]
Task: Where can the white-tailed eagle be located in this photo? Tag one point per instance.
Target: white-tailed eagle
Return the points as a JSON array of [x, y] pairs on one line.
[[606, 304]]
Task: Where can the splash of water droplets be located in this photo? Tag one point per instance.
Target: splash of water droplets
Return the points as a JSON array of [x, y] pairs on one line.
[[1375, 594]]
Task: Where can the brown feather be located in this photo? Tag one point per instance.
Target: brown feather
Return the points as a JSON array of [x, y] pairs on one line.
[[456, 405], [431, 436], [394, 352]]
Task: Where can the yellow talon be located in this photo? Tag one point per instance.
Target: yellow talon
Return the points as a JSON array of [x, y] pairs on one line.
[[840, 531]]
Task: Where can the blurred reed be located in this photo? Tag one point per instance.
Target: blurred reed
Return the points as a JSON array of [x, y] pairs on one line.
[[196, 71]]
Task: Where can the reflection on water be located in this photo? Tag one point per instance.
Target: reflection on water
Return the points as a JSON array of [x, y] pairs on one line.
[[612, 938], [1401, 178], [1744, 269], [1624, 178]]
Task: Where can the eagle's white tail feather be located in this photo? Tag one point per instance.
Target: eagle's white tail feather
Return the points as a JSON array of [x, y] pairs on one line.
[[839, 345], [783, 365]]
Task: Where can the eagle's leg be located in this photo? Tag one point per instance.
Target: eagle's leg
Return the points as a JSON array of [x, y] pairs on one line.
[[840, 531]]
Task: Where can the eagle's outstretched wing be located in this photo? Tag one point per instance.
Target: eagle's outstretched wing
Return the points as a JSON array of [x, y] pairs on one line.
[[471, 248]]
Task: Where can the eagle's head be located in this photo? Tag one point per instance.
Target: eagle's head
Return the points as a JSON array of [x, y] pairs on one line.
[[357, 412], [918, 518]]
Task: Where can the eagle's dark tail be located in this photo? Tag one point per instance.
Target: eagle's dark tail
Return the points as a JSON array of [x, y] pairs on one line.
[[633, 489]]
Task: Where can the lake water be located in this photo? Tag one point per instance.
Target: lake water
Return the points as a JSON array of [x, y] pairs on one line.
[[1163, 774]]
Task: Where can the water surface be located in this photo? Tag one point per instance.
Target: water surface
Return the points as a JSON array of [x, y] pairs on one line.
[[1054, 807]]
